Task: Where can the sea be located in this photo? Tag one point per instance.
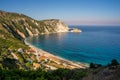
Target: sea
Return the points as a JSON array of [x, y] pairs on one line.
[[96, 44]]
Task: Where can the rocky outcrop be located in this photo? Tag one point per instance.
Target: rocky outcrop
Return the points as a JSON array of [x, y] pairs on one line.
[[29, 32], [21, 34], [55, 26], [75, 30]]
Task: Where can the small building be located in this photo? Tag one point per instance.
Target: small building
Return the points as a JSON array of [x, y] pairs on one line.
[[30, 51], [20, 50], [43, 57]]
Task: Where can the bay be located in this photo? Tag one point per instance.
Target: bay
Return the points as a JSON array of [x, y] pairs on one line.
[[97, 44]]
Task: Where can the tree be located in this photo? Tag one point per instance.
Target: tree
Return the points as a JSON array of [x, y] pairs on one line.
[[92, 65], [28, 64], [42, 78], [1, 66], [114, 62], [21, 60]]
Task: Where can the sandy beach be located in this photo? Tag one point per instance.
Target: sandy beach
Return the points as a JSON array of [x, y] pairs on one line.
[[58, 60]]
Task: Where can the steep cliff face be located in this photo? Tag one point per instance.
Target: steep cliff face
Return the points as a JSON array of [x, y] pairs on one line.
[[21, 26], [53, 26]]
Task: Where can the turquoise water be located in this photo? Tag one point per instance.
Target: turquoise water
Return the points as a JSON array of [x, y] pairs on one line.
[[98, 44]]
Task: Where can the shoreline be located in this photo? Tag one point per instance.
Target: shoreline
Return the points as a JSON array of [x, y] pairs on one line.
[[66, 63]]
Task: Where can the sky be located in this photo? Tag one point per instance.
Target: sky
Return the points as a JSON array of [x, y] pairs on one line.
[[73, 12]]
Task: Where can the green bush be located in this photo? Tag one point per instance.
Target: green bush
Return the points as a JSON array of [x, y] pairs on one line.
[[114, 62]]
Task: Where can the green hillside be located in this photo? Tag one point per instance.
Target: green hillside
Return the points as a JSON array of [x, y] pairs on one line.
[[14, 28], [17, 64]]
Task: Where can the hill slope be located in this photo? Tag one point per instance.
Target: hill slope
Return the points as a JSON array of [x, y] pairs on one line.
[[22, 26], [14, 28]]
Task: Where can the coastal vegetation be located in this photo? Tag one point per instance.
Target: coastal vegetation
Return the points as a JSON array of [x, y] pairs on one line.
[[14, 28], [93, 73], [20, 62]]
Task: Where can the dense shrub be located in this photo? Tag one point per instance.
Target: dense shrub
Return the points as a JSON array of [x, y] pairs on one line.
[[59, 74]]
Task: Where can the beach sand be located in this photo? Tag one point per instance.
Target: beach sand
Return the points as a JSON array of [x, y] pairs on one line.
[[58, 60]]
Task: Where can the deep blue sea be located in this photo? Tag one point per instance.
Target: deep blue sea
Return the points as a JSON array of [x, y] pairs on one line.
[[97, 44]]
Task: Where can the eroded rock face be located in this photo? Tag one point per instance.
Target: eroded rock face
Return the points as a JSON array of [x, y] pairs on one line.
[[61, 27], [21, 34], [54, 25], [23, 26], [29, 32]]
